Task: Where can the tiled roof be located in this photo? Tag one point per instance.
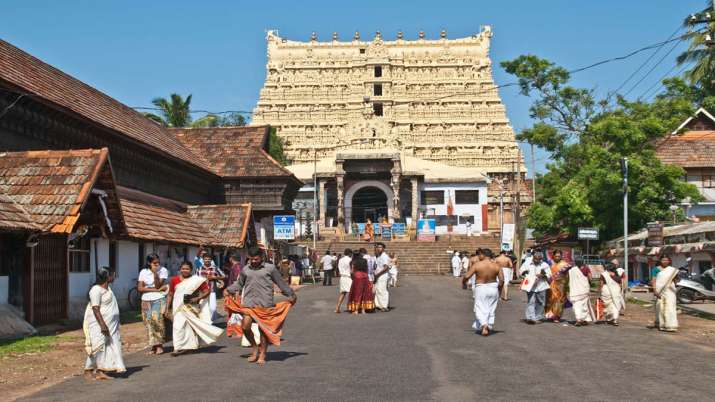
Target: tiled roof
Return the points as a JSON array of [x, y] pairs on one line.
[[232, 151], [228, 223], [149, 217], [38, 78], [692, 149], [45, 190]]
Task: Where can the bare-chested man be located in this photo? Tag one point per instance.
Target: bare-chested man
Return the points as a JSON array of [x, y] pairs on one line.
[[507, 269], [489, 283]]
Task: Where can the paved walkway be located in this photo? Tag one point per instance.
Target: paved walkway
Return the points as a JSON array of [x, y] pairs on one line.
[[706, 307], [422, 350]]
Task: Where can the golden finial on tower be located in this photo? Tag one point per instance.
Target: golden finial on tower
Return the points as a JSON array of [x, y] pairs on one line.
[[400, 35], [378, 35], [357, 35], [313, 36], [443, 34], [422, 34], [335, 36]]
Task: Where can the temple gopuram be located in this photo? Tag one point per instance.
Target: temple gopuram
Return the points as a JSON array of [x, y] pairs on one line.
[[394, 130]]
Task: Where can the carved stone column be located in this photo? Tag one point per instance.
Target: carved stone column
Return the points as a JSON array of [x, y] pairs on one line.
[[321, 202], [395, 182], [339, 176], [415, 200]]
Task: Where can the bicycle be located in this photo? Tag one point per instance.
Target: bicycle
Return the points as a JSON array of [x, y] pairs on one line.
[[134, 297]]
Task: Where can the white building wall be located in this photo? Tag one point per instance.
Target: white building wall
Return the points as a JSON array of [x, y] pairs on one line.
[[4, 289], [459, 209], [127, 270], [80, 282]]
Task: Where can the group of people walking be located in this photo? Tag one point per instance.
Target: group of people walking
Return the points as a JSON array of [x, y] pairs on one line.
[[188, 301], [364, 279], [550, 288]]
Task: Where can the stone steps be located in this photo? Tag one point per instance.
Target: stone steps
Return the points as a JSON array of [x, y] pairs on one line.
[[416, 257]]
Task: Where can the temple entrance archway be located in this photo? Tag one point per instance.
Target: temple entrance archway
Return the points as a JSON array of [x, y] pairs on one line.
[[368, 199]]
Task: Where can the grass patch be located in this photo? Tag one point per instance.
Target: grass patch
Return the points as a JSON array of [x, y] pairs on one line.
[[640, 302], [130, 316], [32, 344]]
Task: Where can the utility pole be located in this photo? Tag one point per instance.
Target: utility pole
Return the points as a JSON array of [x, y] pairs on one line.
[[315, 198], [533, 174], [517, 208], [624, 172]]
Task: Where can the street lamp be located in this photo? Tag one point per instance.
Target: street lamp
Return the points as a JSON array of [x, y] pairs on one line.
[[674, 210]]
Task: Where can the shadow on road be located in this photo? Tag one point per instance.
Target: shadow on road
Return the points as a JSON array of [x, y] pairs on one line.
[[281, 356], [131, 370]]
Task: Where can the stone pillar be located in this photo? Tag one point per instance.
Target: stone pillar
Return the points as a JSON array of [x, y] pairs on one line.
[[340, 187], [321, 202], [415, 200], [395, 182]]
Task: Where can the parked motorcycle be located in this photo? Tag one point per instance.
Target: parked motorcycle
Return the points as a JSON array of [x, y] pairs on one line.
[[693, 287]]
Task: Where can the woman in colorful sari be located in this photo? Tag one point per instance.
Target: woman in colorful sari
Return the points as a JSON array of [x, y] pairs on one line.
[[361, 298], [557, 290], [611, 294], [102, 341], [666, 315], [152, 284], [191, 314]]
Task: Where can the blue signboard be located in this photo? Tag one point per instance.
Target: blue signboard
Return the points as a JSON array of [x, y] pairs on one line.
[[284, 227], [399, 229], [386, 232]]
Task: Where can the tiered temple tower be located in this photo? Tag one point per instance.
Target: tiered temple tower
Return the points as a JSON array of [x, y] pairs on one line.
[[433, 99]]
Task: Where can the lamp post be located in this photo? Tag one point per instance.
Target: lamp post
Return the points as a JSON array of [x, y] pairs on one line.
[[624, 173]]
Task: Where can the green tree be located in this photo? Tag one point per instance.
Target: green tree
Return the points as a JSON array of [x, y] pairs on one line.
[[582, 185], [176, 112], [699, 52], [275, 147]]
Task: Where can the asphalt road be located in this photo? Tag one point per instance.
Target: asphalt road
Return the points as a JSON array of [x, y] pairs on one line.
[[424, 349]]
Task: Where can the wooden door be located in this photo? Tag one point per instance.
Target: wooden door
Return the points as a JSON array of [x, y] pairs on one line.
[[49, 280]]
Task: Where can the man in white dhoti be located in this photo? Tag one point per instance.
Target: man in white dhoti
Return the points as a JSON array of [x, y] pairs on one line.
[[465, 266], [382, 277], [344, 278], [393, 269], [580, 293], [489, 283], [666, 314], [188, 298], [456, 265], [611, 294], [507, 269], [102, 341]]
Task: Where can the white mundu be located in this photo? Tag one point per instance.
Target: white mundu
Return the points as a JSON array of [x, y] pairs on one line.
[[344, 270], [103, 352], [486, 297], [192, 323], [579, 295], [612, 298]]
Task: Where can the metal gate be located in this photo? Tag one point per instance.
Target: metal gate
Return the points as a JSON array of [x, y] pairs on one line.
[[49, 280]]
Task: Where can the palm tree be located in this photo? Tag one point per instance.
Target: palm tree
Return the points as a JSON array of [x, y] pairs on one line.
[[700, 53], [176, 112]]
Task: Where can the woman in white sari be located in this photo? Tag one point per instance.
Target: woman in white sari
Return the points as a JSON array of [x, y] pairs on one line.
[[666, 314], [611, 294], [580, 293], [103, 343], [190, 309]]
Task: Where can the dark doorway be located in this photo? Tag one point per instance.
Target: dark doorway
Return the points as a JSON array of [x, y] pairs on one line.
[[369, 202]]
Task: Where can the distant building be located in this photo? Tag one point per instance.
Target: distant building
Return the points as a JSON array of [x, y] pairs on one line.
[[692, 147], [383, 118]]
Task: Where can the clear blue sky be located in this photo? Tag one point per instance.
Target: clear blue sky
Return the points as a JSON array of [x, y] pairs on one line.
[[137, 50]]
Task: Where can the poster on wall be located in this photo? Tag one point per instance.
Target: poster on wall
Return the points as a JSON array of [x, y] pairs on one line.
[[426, 229], [284, 227], [507, 237], [361, 228]]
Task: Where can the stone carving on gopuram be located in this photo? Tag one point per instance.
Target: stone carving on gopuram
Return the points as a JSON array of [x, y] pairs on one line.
[[433, 99]]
